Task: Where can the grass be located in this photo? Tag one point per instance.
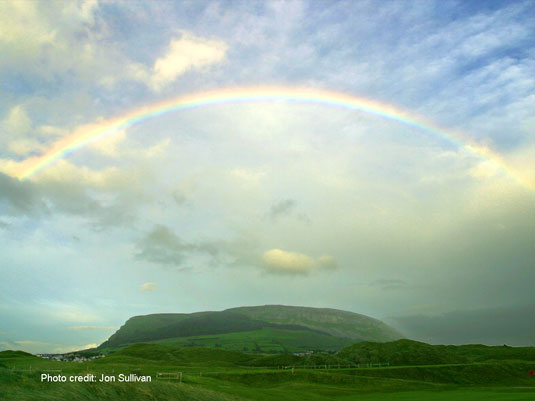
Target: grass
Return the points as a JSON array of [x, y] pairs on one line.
[[264, 340], [214, 374], [408, 352]]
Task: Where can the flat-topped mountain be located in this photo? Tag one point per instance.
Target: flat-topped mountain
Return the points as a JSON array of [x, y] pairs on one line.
[[269, 328]]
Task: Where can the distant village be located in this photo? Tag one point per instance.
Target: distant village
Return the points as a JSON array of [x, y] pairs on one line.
[[306, 353], [70, 357]]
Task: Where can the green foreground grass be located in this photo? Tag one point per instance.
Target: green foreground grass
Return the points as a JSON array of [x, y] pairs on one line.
[[209, 374]]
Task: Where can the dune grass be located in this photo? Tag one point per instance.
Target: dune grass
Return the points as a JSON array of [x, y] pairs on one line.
[[214, 374]]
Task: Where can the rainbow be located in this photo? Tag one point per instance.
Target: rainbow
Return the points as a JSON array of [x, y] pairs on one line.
[[88, 134]]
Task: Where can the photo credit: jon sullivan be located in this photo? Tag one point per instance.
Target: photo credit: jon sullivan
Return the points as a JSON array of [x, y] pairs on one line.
[[91, 378]]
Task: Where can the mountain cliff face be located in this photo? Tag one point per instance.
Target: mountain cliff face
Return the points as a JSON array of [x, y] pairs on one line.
[[286, 326]]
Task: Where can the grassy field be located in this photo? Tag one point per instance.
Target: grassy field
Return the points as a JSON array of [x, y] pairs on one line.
[[212, 374]]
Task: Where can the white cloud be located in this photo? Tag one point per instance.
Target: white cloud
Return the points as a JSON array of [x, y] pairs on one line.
[[483, 170], [148, 286], [17, 122], [20, 23], [37, 37], [279, 261], [188, 52], [16, 130], [51, 130], [24, 146], [111, 145]]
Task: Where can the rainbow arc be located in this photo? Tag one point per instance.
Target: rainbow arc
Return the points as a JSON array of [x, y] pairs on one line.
[[87, 134]]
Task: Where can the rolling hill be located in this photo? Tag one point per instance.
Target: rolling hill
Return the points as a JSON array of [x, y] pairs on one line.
[[431, 372], [270, 328], [409, 352]]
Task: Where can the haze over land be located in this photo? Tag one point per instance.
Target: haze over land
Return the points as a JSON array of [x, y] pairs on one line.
[[273, 202]]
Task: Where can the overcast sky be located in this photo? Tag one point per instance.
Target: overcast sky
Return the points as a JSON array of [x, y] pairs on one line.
[[273, 202]]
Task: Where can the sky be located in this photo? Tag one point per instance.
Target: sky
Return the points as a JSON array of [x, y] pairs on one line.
[[268, 202]]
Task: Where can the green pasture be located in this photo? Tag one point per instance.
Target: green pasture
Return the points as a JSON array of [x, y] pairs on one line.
[[214, 374], [265, 340]]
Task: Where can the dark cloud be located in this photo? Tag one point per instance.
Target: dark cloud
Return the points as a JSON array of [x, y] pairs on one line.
[[163, 246], [285, 208], [282, 208], [38, 199], [512, 325], [20, 197]]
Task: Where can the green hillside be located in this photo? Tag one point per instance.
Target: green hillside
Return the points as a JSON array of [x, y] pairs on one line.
[[335, 322], [165, 355], [270, 328], [395, 353], [408, 352], [265, 340], [139, 328], [159, 354]]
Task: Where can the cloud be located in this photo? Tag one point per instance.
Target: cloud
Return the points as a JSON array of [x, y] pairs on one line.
[[483, 170], [50, 45], [279, 261], [16, 129], [163, 246], [286, 208], [84, 328], [29, 35], [105, 197], [187, 53], [41, 39], [281, 208], [17, 122], [148, 286], [21, 197], [327, 262], [111, 145]]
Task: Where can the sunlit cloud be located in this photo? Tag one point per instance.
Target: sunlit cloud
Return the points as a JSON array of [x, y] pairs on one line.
[[148, 286], [279, 261], [187, 52]]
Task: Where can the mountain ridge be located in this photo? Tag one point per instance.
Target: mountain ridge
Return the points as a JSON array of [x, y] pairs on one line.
[[326, 329]]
